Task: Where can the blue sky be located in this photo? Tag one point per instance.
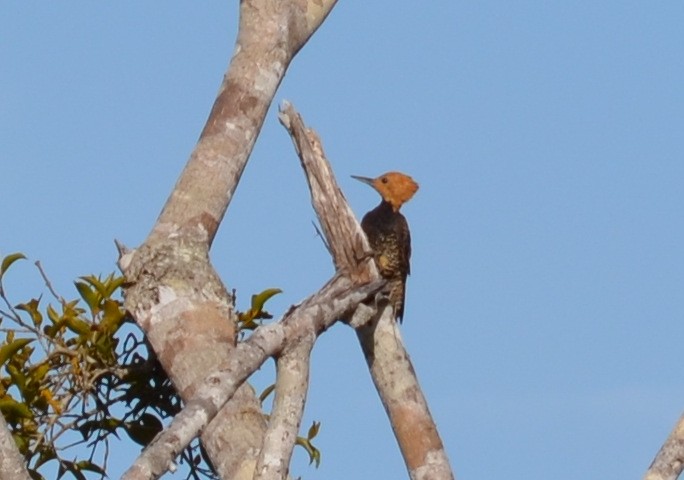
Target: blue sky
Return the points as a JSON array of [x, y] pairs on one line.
[[545, 307]]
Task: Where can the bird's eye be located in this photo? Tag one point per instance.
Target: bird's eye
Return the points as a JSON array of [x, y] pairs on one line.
[[383, 179]]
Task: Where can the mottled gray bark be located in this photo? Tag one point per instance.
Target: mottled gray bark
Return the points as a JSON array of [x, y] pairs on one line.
[[337, 299], [174, 293], [403, 399], [669, 462], [291, 387], [12, 466]]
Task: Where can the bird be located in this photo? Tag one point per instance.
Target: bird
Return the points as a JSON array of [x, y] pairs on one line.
[[388, 233]]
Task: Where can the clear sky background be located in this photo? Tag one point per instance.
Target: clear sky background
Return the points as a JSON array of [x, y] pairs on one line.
[[545, 310]]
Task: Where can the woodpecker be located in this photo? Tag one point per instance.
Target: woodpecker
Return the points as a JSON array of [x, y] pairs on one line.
[[388, 233]]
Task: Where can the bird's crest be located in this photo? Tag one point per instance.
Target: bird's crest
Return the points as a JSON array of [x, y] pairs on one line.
[[395, 188]]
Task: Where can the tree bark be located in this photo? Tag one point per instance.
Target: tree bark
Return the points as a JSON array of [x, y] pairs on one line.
[[669, 462], [12, 466], [401, 395], [292, 384], [337, 299], [355, 281], [174, 293], [346, 241]]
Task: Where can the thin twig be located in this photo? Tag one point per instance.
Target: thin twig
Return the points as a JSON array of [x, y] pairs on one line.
[[320, 235], [48, 284]]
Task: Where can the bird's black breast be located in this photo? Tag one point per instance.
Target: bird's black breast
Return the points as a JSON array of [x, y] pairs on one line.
[[390, 239]]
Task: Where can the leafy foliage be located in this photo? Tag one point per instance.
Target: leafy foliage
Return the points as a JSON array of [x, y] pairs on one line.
[[248, 319], [78, 372], [314, 453]]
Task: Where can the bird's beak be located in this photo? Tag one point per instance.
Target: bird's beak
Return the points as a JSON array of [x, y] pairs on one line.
[[366, 180]]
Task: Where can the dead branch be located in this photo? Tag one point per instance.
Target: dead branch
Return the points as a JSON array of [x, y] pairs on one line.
[[669, 462], [389, 364], [347, 242]]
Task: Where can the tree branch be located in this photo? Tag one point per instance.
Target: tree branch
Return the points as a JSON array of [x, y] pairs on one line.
[[338, 298], [669, 462], [389, 364], [270, 34], [288, 407], [401, 395], [343, 234], [174, 292], [12, 466]]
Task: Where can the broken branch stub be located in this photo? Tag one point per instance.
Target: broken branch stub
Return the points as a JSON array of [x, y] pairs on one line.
[[347, 242], [388, 362]]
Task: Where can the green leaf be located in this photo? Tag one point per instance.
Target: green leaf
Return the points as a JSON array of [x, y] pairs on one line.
[[18, 380], [259, 300], [314, 453], [22, 442], [10, 349], [105, 287], [31, 308], [109, 425], [78, 326], [113, 316], [112, 283], [38, 372], [267, 391], [90, 296], [53, 315], [257, 309], [9, 260], [313, 430], [13, 410], [90, 466]]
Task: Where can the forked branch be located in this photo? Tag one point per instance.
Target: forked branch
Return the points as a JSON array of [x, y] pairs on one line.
[[337, 299], [174, 293]]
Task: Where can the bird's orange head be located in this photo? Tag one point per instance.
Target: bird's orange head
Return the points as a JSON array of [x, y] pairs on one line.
[[394, 187]]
